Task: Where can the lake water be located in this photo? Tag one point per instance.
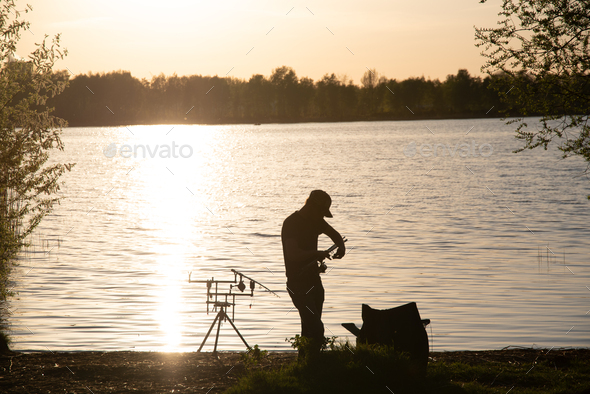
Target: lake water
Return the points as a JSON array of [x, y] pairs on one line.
[[493, 246]]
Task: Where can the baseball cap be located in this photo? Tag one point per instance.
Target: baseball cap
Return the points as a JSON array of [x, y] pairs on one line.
[[321, 199]]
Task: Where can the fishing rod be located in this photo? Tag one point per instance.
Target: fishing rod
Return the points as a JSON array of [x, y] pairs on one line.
[[331, 248], [313, 267], [241, 286], [323, 265]]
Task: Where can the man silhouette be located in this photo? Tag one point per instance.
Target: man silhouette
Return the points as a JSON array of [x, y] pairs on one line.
[[299, 236]]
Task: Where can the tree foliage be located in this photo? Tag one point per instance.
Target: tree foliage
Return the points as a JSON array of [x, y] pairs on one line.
[[118, 98], [28, 131], [540, 56]]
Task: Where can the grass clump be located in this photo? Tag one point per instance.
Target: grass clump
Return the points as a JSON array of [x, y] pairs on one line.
[[345, 368], [541, 376], [253, 356], [338, 368]]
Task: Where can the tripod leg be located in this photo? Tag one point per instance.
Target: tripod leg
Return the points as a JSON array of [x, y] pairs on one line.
[[209, 332], [221, 315], [241, 337]]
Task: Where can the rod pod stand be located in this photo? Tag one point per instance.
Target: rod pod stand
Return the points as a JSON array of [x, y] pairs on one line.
[[213, 298], [221, 315]]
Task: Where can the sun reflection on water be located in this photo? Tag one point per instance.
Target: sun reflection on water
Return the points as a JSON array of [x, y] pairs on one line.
[[168, 313], [173, 212]]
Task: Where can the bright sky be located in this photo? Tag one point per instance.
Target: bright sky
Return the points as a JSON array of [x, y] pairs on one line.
[[401, 39]]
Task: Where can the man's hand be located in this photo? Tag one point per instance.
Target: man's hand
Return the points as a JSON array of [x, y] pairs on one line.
[[340, 253]]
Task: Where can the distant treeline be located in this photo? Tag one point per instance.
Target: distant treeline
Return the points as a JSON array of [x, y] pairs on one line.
[[118, 98]]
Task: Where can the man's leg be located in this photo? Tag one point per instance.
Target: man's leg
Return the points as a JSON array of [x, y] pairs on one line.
[[309, 303], [319, 300]]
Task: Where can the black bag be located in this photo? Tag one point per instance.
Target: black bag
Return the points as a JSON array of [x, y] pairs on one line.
[[400, 327]]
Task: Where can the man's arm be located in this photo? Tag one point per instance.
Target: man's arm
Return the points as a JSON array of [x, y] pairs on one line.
[[293, 252], [337, 239]]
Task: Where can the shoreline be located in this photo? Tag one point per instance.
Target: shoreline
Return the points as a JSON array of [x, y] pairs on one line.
[[192, 372], [288, 122], [287, 351]]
